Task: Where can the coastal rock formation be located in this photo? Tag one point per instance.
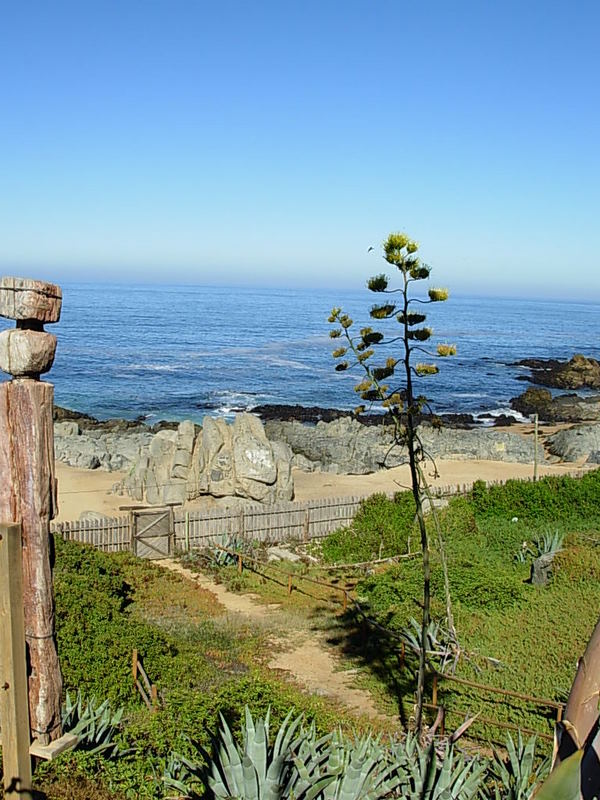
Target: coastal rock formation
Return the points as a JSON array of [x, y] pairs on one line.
[[577, 442], [221, 460], [349, 447], [561, 408], [98, 449], [578, 373]]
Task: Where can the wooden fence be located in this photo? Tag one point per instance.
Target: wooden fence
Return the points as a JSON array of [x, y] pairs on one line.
[[111, 534], [281, 522]]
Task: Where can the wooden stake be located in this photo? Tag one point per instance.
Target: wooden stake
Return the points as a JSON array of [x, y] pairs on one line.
[[14, 707], [434, 691], [134, 668], [535, 447], [240, 565]]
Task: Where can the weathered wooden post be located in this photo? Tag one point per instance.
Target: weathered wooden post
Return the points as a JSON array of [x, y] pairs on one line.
[[27, 483], [14, 716]]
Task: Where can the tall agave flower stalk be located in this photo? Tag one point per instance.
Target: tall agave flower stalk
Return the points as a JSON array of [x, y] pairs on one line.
[[398, 395]]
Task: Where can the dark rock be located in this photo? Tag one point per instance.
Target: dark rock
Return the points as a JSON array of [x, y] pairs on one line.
[[502, 420], [562, 408], [578, 373], [62, 414], [313, 414], [137, 425]]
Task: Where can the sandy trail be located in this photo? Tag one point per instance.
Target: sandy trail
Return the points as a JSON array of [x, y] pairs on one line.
[[303, 655]]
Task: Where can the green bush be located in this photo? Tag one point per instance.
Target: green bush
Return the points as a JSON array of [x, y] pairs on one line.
[[550, 499], [381, 528], [95, 630]]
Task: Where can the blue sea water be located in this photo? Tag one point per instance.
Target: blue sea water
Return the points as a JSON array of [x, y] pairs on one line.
[[176, 352]]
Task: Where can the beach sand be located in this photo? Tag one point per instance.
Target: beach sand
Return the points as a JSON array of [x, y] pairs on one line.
[[81, 490]]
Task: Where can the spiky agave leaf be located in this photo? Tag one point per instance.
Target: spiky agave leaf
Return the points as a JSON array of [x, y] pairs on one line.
[[564, 782]]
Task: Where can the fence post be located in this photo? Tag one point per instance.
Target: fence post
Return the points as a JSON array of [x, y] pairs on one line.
[[307, 525], [14, 704], [535, 447], [241, 526], [134, 669], [240, 564], [187, 531]]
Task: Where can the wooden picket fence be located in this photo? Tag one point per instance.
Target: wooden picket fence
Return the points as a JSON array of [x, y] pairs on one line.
[[280, 522]]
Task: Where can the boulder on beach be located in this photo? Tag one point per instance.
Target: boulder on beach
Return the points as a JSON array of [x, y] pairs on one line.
[[220, 460], [580, 442]]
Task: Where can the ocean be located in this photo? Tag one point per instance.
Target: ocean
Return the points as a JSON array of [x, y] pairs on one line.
[[181, 352]]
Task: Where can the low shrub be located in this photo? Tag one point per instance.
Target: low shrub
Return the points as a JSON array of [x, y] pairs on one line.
[[381, 528]]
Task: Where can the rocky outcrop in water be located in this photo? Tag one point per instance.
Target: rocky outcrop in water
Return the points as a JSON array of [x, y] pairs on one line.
[[561, 408], [221, 460], [578, 373], [346, 446]]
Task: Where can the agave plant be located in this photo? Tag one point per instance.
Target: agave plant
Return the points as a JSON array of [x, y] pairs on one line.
[[221, 555], [517, 775], [549, 543], [254, 770], [94, 725], [439, 649], [575, 773], [338, 767], [182, 776], [425, 774]]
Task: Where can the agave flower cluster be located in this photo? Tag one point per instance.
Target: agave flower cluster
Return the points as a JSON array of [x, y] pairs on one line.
[[380, 384]]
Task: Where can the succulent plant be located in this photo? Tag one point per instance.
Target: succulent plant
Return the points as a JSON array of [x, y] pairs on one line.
[[334, 767], [182, 776], [255, 769], [221, 555], [425, 774], [516, 775], [94, 725]]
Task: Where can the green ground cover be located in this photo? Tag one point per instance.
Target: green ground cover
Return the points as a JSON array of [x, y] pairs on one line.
[[533, 634], [202, 662], [514, 635]]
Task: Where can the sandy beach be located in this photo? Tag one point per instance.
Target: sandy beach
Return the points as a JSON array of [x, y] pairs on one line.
[[81, 490]]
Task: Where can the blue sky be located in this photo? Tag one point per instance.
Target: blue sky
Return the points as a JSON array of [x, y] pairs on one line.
[[274, 142]]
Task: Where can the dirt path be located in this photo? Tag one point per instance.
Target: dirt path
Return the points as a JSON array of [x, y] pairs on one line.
[[304, 656]]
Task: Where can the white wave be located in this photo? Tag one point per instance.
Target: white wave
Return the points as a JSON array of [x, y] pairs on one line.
[[156, 367], [493, 413], [469, 394]]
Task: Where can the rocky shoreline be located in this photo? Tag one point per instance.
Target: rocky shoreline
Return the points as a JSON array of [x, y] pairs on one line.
[[248, 462], [251, 459]]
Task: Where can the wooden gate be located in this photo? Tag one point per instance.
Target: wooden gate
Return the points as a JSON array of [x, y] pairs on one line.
[[152, 532]]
